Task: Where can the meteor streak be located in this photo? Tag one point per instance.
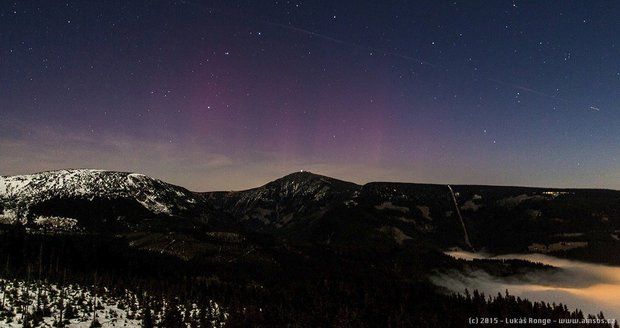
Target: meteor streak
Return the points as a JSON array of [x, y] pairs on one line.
[[526, 89], [420, 61], [414, 59], [329, 38]]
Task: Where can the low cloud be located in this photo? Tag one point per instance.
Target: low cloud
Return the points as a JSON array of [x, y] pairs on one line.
[[589, 287]]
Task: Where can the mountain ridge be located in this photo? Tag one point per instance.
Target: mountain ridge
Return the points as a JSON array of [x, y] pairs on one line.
[[317, 175], [22, 194], [304, 206]]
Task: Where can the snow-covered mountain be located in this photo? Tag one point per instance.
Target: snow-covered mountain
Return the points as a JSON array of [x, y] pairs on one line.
[[310, 207], [283, 200], [23, 196]]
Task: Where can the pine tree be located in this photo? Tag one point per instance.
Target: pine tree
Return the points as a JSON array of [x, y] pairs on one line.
[[147, 318], [171, 318], [95, 324]]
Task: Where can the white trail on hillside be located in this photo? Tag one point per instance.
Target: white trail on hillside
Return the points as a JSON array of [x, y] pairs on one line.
[[456, 206]]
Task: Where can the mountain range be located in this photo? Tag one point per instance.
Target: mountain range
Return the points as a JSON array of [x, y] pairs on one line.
[[306, 207], [304, 249]]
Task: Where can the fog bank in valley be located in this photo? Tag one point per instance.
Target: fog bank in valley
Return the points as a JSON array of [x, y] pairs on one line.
[[589, 287]]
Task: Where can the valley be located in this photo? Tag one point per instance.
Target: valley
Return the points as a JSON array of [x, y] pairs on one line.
[[304, 248]]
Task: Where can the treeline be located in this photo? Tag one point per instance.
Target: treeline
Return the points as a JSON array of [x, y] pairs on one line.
[[377, 304], [275, 285], [40, 304], [33, 303]]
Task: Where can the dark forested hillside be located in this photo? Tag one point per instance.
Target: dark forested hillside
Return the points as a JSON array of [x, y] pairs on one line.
[[302, 251]]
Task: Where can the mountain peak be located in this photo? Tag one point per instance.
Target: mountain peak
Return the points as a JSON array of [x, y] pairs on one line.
[[308, 178], [301, 175]]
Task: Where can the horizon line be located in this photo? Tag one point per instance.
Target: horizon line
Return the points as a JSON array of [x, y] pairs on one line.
[[315, 174]]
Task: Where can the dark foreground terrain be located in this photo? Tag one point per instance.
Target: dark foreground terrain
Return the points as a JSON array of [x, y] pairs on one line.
[[302, 251]]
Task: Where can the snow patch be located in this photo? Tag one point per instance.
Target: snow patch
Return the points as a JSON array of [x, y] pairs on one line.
[[426, 212], [56, 223], [470, 205], [516, 200], [398, 235], [557, 247], [390, 206]]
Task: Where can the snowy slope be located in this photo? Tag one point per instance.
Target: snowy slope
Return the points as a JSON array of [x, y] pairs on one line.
[[281, 201], [19, 193], [20, 300]]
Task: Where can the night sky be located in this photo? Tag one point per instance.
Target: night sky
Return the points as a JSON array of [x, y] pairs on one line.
[[231, 94]]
